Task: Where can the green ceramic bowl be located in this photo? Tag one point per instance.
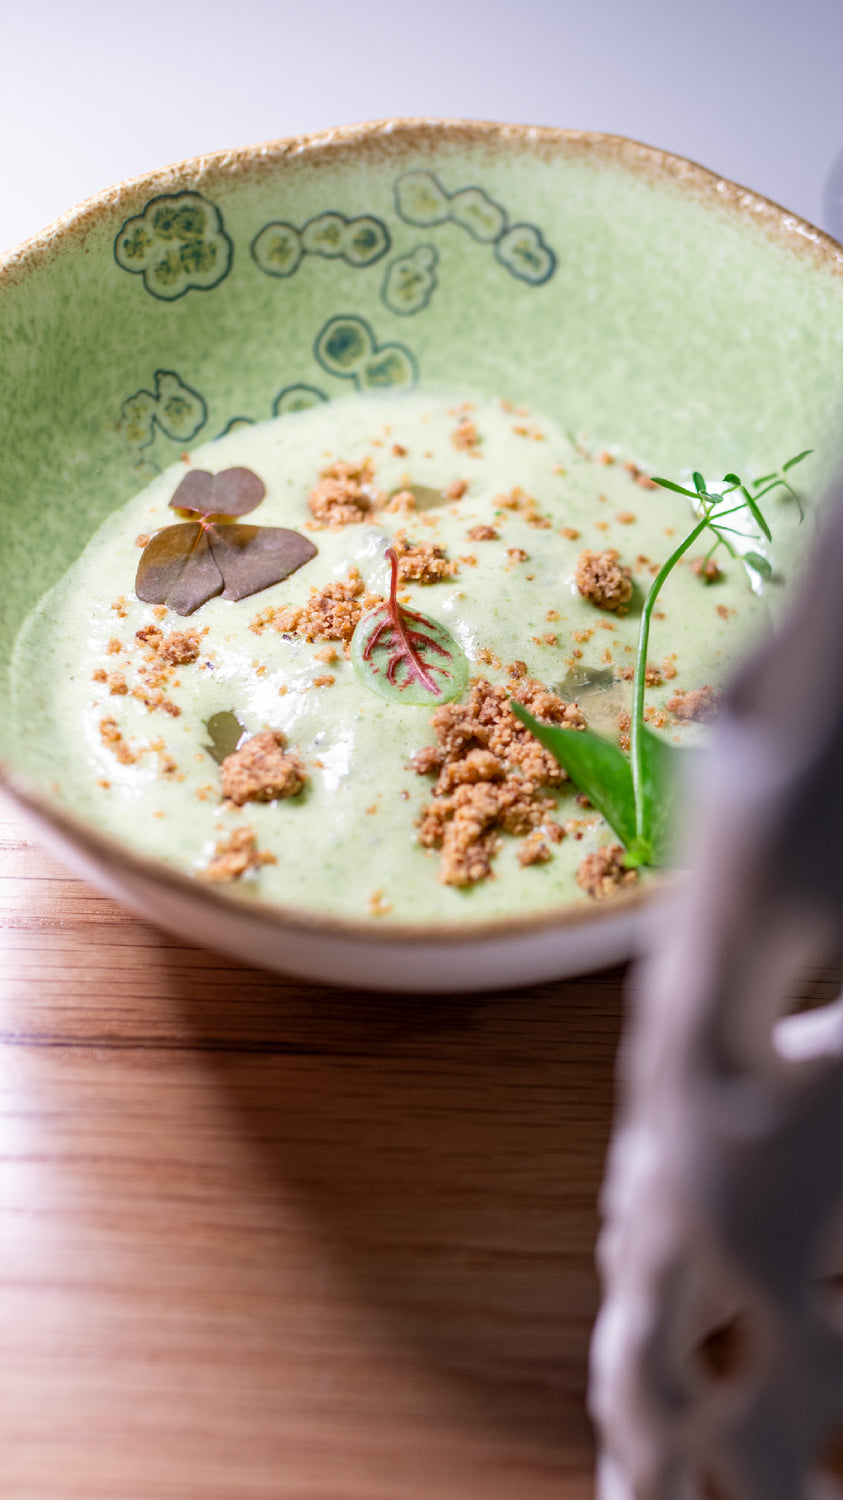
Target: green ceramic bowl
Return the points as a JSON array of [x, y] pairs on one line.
[[623, 291]]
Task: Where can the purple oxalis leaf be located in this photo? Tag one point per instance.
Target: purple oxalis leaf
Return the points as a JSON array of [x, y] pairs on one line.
[[184, 566], [232, 492]]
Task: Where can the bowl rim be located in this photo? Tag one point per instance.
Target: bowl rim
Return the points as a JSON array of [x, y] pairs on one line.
[[751, 208]]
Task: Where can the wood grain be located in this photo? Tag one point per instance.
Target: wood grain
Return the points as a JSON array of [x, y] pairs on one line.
[[264, 1240]]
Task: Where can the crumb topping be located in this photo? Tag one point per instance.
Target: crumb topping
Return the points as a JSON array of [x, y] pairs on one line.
[[112, 738], [262, 770], [465, 435], [699, 704], [402, 503], [330, 614], [490, 773], [525, 506], [603, 581], [706, 569], [482, 534], [603, 873], [236, 854], [345, 495], [422, 562]]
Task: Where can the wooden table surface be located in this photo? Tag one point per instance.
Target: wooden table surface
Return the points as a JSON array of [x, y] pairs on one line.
[[264, 1240]]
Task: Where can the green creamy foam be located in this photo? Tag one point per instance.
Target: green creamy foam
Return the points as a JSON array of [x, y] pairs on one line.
[[351, 833]]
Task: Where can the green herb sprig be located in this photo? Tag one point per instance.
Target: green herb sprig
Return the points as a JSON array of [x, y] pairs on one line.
[[637, 796]]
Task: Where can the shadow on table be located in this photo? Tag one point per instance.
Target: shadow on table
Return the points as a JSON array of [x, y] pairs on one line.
[[449, 1152]]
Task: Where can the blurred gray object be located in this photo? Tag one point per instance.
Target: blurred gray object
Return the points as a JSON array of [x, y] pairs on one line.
[[717, 1370]]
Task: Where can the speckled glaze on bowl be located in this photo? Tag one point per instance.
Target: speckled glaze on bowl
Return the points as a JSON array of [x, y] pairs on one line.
[[628, 293]]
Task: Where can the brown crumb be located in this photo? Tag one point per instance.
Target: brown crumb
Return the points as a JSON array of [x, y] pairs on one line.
[[570, 533], [525, 506], [534, 850], [114, 741], [624, 729], [99, 674], [325, 679], [604, 581], [402, 503], [487, 657], [482, 534], [456, 489], [517, 554], [104, 782], [154, 699], [668, 668], [706, 569], [550, 638], [626, 517], [698, 705], [398, 450], [117, 684], [652, 675], [603, 873], [261, 771], [166, 765], [179, 648], [465, 435], [422, 562], [605, 458], [327, 654], [639, 476], [345, 494], [120, 607], [725, 612], [236, 854], [378, 907], [657, 717], [491, 772], [552, 614], [581, 636], [142, 540], [330, 614], [114, 647]]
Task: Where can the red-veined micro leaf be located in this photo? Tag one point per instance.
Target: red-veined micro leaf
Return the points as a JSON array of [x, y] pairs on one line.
[[406, 656]]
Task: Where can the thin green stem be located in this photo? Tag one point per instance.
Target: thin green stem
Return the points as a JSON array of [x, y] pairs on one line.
[[642, 832]]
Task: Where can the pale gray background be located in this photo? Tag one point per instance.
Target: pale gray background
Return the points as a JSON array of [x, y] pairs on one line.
[[98, 90]]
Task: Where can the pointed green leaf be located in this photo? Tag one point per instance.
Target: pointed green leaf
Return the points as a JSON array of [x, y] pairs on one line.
[[756, 513], [595, 765], [678, 489], [662, 783], [792, 462], [758, 563]]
